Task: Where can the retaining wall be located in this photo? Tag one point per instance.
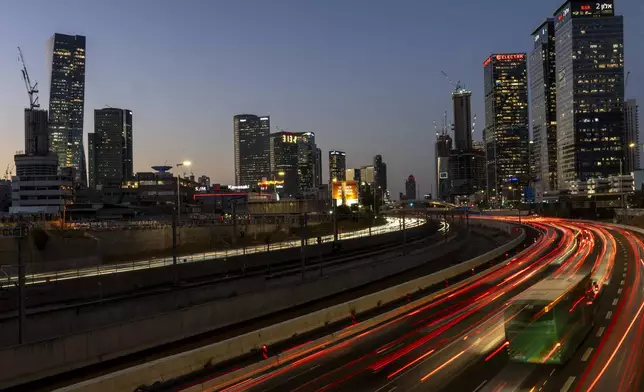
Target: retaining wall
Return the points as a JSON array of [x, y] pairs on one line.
[[92, 288]]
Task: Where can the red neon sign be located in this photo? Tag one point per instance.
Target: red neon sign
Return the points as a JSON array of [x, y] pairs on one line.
[[509, 57], [586, 7], [489, 59]]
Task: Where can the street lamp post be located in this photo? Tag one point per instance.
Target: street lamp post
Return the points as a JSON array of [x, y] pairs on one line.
[[184, 163], [177, 212]]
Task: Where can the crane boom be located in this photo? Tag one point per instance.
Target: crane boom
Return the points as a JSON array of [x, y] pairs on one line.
[[457, 86], [32, 89]]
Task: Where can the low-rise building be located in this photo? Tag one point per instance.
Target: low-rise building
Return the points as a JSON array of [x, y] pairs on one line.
[[37, 186]]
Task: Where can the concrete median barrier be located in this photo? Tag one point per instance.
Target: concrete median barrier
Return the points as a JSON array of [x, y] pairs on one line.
[[187, 362]]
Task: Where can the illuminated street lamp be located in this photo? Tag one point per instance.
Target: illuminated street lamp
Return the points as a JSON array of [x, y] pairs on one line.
[[184, 163], [175, 220]]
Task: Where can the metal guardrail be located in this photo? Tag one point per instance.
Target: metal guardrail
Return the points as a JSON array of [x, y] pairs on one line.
[[10, 279]]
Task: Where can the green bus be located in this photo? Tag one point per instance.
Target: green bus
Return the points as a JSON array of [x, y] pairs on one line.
[[548, 322]]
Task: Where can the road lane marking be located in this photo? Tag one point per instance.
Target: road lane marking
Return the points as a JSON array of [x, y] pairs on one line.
[[615, 301], [600, 332], [568, 384], [609, 314], [480, 386], [586, 355], [621, 283], [624, 275], [619, 291], [306, 371]]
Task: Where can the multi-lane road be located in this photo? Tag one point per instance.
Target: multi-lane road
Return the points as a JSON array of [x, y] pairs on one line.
[[456, 340]]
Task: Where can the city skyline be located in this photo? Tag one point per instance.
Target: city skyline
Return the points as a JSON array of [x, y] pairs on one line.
[[395, 114]]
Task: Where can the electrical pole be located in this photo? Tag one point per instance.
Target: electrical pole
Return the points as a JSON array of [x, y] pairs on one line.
[[21, 289], [303, 240], [334, 213]]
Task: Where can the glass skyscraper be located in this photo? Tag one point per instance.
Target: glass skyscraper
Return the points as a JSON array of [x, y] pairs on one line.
[[252, 152], [67, 102], [293, 159], [110, 147], [543, 86], [337, 166], [506, 125], [590, 91]]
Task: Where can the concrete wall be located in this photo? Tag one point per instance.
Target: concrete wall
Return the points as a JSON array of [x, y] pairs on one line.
[[60, 252], [94, 288], [52, 356], [187, 362], [240, 300], [123, 244]]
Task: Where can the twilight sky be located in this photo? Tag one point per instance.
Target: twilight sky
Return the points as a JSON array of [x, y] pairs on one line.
[[364, 75]]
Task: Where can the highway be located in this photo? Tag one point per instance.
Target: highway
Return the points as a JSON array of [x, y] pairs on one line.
[[457, 342], [393, 224]]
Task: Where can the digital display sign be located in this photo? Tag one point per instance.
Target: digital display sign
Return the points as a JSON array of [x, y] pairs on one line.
[[584, 9], [345, 191], [592, 9], [289, 138]]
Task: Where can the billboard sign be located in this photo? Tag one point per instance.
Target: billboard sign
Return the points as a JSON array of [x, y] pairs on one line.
[[345, 192]]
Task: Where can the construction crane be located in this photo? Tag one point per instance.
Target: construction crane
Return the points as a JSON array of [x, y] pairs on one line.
[[457, 86], [32, 89], [8, 172], [474, 123]]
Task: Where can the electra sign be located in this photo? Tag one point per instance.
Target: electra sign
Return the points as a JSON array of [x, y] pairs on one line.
[[509, 57]]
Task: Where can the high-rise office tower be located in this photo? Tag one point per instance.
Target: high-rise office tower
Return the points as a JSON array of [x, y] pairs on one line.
[[318, 167], [36, 132], [590, 91], [367, 175], [67, 102], [111, 154], [292, 160], [506, 125], [410, 188], [543, 86], [252, 150], [632, 135], [380, 172], [337, 166], [284, 153], [352, 175], [462, 100], [307, 160]]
